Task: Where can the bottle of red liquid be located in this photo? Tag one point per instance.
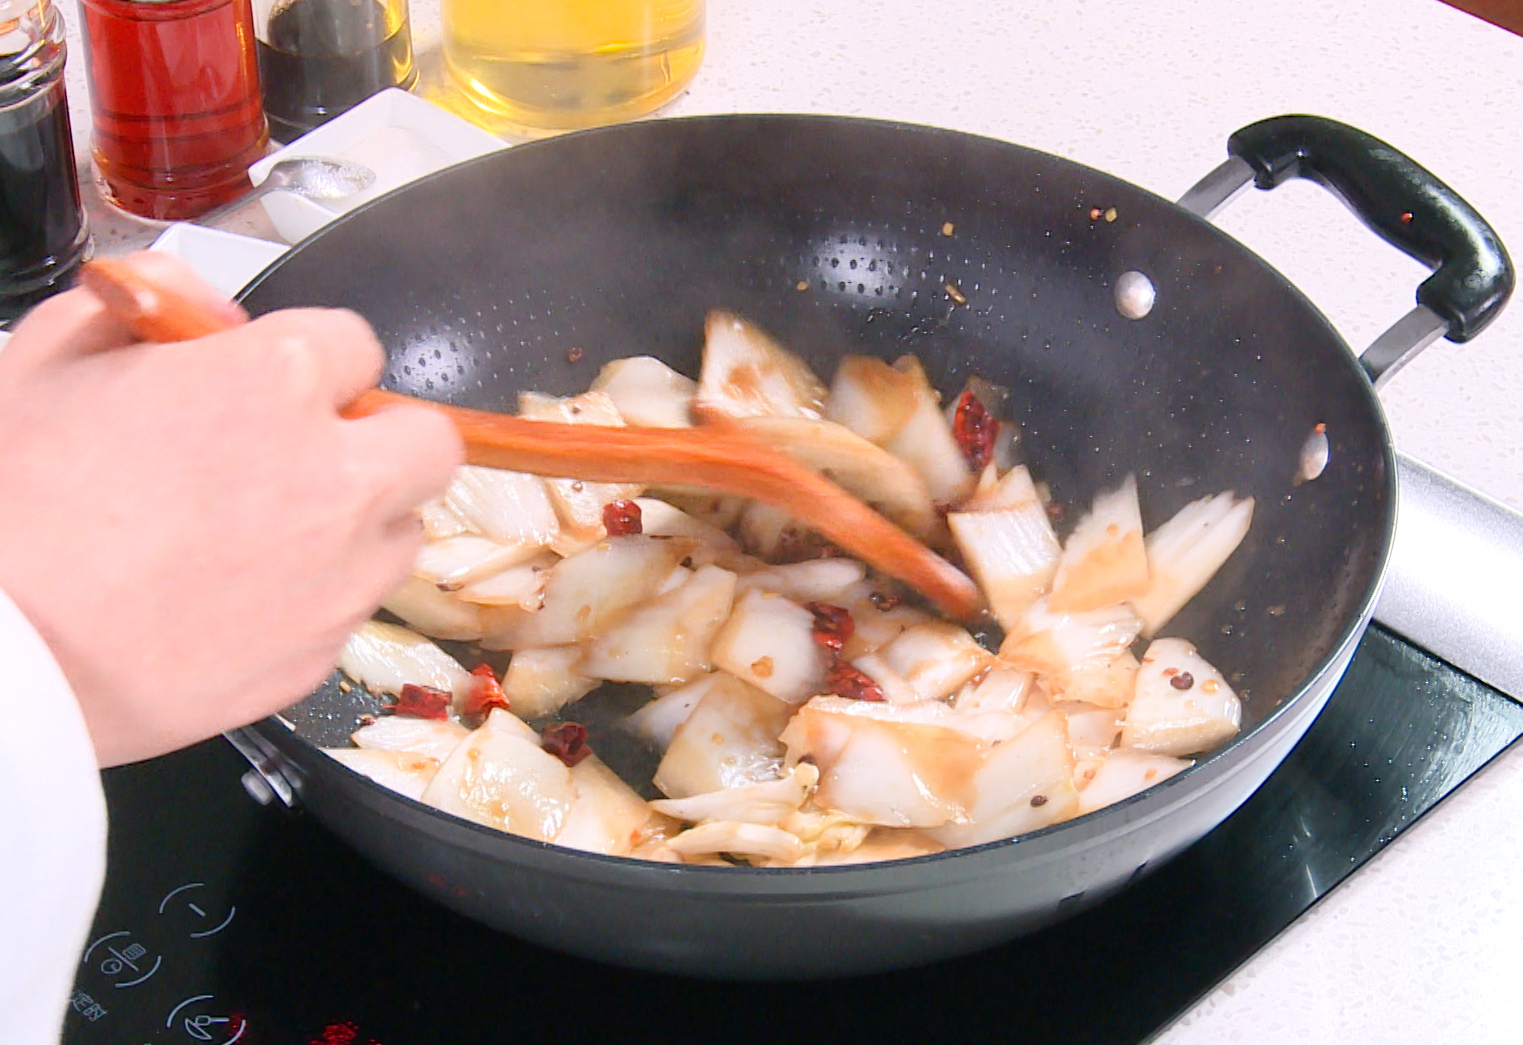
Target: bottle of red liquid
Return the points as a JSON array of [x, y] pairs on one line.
[[174, 87]]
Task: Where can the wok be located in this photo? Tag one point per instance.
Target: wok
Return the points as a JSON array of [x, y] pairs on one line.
[[840, 236]]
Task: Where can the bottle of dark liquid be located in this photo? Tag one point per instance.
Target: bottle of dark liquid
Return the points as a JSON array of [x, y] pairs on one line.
[[174, 88], [43, 236], [319, 58]]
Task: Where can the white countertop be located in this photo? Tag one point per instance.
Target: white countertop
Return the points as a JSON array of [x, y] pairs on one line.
[[1420, 945]]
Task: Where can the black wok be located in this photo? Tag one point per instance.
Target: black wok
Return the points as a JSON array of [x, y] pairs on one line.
[[843, 236]]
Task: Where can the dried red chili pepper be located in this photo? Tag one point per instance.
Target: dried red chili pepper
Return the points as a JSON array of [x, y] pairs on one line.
[[485, 692], [622, 518], [833, 626], [974, 431], [422, 702], [846, 681], [567, 741]]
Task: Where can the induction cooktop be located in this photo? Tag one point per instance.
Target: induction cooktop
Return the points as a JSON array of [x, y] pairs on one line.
[[224, 921]]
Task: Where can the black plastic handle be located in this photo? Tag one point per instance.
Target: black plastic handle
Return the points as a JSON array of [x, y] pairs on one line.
[[1405, 204]]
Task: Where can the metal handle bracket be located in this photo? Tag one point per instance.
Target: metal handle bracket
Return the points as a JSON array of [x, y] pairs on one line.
[[272, 776], [1402, 202]]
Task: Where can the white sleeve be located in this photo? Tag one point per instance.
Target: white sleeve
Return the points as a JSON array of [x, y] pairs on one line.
[[54, 830]]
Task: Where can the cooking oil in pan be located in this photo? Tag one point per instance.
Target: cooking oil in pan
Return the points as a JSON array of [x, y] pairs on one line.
[[535, 67]]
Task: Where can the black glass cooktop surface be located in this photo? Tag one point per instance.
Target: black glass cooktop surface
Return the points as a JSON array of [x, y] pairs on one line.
[[225, 921]]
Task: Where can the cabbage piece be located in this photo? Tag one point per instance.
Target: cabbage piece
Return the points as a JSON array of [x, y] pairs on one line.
[[656, 723], [667, 639], [1124, 773], [452, 563], [926, 443], [935, 658], [728, 740], [1007, 541], [647, 392], [433, 612], [769, 642], [1108, 686], [886, 764], [1092, 731], [440, 520], [882, 843], [872, 398], [435, 738], [660, 519], [1104, 560], [878, 617], [499, 776], [719, 510], [508, 507], [587, 593], [501, 625], [1001, 688], [404, 772], [541, 681], [753, 841], [772, 533], [385, 657], [894, 687], [747, 374], [608, 816], [1018, 786], [519, 585], [814, 580], [1183, 705], [765, 802], [1185, 553], [1059, 646], [1000, 705]]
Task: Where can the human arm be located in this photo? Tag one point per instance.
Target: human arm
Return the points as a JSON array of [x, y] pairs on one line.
[[192, 528]]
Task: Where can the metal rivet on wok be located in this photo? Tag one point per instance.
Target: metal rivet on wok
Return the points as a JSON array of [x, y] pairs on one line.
[[1134, 295]]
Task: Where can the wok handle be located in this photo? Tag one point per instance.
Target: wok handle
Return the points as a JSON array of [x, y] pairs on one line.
[[1403, 203]]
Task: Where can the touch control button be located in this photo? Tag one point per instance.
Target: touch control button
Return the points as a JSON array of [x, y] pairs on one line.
[[123, 960], [208, 924], [200, 1020]]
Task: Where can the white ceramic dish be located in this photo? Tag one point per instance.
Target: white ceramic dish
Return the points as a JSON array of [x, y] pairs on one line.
[[226, 260], [398, 135]]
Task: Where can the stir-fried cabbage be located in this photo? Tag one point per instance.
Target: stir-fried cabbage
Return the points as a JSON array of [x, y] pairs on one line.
[[802, 710]]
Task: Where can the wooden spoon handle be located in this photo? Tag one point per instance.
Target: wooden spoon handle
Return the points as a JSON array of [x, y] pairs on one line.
[[718, 457]]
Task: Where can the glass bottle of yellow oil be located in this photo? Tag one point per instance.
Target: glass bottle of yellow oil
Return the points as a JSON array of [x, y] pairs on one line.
[[541, 66]]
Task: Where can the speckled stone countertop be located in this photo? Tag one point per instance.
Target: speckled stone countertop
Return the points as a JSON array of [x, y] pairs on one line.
[[1424, 944]]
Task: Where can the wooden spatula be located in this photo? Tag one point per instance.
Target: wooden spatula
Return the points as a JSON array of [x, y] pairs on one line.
[[716, 456]]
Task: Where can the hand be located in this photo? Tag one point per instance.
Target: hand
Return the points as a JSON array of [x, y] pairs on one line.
[[192, 528]]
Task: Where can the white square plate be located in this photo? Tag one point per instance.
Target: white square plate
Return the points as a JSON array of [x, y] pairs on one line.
[[226, 260], [397, 135]]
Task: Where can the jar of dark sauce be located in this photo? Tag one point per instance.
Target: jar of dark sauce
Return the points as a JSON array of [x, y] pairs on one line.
[[43, 234], [319, 58]]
